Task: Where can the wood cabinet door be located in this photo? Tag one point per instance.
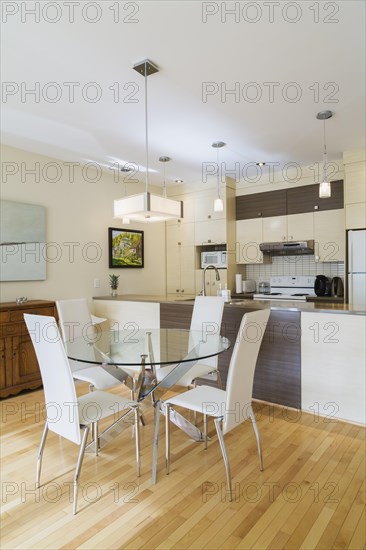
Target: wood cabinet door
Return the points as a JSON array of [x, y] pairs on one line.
[[187, 279], [25, 365], [261, 205], [249, 235], [210, 232], [2, 364], [300, 227], [275, 229], [329, 234]]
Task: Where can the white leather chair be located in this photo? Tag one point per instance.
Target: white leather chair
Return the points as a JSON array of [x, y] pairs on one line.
[[67, 414], [75, 320], [206, 318], [232, 406]]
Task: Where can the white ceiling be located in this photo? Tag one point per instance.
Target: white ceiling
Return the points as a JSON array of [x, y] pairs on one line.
[[328, 55]]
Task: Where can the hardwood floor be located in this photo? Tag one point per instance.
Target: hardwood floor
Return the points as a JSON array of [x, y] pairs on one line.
[[310, 495]]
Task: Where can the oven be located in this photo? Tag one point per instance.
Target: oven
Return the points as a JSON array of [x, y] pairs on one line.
[[295, 288]]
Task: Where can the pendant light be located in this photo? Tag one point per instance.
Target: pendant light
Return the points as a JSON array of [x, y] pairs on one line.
[[146, 207], [324, 187], [219, 203], [164, 159]]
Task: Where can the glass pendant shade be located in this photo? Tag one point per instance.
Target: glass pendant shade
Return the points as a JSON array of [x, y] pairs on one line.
[[218, 205], [324, 190]]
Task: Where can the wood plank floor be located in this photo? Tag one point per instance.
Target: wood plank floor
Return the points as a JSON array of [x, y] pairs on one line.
[[310, 495]]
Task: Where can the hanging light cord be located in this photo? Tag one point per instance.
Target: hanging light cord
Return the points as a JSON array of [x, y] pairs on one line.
[[218, 175], [146, 135], [324, 154], [164, 184]]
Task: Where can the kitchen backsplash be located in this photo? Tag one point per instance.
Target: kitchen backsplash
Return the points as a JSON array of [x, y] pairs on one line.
[[294, 265]]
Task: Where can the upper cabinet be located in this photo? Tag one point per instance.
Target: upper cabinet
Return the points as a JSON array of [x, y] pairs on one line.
[[355, 189], [261, 205], [296, 200], [306, 198]]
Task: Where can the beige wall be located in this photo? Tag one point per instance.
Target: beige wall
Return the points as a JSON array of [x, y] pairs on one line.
[[79, 213]]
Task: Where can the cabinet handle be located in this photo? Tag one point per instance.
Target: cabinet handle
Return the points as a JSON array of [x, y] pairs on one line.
[[209, 216], [259, 213], [179, 244], [291, 238], [316, 258], [177, 290], [182, 289], [209, 240], [316, 207]]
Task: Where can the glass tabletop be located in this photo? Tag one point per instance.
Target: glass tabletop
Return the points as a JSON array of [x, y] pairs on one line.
[[158, 346]]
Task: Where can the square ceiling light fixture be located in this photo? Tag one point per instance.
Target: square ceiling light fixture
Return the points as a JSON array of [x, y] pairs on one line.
[[146, 207]]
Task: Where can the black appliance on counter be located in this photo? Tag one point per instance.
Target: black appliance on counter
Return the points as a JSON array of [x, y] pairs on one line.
[[322, 285], [336, 287]]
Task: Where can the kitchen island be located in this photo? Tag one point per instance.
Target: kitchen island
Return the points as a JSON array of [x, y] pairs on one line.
[[312, 356]]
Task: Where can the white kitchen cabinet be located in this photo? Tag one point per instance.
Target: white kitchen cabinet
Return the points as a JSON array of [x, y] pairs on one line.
[[249, 235], [204, 206], [356, 215], [295, 227], [329, 235], [211, 284], [180, 259], [210, 232], [274, 229], [333, 366], [300, 227]]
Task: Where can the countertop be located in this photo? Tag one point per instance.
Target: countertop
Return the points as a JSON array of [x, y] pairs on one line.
[[319, 307]]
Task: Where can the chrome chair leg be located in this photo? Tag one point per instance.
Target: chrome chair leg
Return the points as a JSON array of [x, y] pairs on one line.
[[78, 467], [96, 437], [225, 457], [137, 433], [167, 438], [257, 436], [40, 454], [205, 429]]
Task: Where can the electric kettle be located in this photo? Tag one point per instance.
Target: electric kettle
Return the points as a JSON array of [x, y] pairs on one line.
[[336, 287]]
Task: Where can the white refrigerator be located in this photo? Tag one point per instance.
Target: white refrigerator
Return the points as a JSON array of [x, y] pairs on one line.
[[356, 267]]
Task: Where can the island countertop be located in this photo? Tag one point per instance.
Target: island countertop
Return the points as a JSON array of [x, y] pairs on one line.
[[275, 305]]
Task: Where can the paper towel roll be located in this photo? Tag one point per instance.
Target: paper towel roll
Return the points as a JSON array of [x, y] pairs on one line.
[[238, 284]]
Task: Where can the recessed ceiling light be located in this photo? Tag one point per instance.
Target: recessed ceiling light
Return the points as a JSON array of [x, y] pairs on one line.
[[178, 181], [260, 163], [126, 168]]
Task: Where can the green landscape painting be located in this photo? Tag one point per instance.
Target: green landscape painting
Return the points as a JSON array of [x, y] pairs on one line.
[[126, 248]]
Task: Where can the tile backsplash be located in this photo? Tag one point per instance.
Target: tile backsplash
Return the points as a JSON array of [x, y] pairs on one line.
[[293, 265]]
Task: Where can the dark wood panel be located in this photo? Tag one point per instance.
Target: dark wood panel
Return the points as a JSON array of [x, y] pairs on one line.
[[278, 373], [262, 205], [306, 198], [19, 366]]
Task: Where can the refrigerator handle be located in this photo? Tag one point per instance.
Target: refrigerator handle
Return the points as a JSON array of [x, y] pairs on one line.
[[350, 267]]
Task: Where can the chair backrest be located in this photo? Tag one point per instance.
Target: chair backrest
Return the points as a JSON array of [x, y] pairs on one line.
[[239, 385], [206, 317], [58, 384], [74, 317]]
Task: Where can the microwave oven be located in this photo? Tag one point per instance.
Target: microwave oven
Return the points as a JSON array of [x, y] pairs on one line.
[[216, 258]]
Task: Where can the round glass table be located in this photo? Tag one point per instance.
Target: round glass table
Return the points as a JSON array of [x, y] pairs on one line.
[[133, 356]]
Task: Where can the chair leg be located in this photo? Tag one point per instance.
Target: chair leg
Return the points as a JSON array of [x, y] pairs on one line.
[[205, 429], [96, 437], [256, 431], [142, 418], [224, 454], [78, 467], [167, 438], [40, 454], [137, 434]]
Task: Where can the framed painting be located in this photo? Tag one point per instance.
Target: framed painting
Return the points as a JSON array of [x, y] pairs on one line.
[[126, 247]]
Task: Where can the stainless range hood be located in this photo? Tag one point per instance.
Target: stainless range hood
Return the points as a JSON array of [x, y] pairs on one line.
[[291, 248]]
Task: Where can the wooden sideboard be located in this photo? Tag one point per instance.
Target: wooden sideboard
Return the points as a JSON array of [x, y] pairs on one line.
[[19, 367]]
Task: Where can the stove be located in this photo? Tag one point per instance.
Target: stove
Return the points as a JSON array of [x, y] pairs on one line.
[[289, 288]]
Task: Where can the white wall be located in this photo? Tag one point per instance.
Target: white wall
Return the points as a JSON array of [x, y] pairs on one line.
[[78, 212]]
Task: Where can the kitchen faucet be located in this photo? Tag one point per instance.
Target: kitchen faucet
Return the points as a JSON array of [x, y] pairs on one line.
[[203, 291]]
